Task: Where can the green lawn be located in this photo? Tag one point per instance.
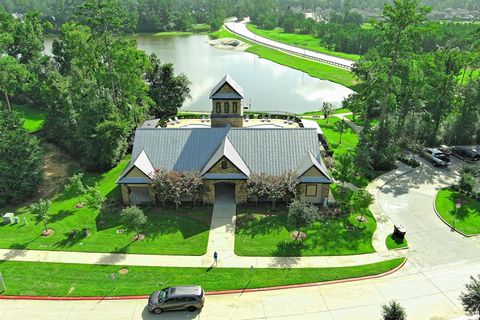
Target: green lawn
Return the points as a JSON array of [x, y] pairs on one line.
[[169, 232], [313, 68], [320, 113], [33, 119], [305, 41], [395, 243], [54, 279], [349, 137], [261, 233], [468, 216], [359, 120]]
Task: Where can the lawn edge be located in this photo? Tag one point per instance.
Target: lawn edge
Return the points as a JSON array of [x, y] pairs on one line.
[[445, 221], [212, 293]]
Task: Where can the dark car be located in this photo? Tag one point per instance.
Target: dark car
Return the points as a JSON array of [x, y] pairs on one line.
[[189, 298], [466, 153], [436, 157]]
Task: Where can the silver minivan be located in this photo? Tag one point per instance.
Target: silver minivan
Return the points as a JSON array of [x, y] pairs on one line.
[[189, 298]]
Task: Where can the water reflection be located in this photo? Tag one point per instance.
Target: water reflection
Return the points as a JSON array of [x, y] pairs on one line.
[[268, 86]]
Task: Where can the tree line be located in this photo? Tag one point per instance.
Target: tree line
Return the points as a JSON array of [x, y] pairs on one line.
[[96, 89], [421, 98]]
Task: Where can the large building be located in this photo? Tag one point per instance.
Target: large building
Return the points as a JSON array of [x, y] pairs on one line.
[[226, 153]]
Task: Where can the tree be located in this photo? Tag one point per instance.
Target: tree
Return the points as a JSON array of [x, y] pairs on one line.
[[467, 179], [344, 167], [40, 209], [167, 90], [275, 189], [133, 219], [162, 185], [471, 297], [178, 188], [193, 185], [14, 77], [21, 160], [256, 186], [327, 109], [76, 186], [361, 200], [94, 200], [340, 127], [393, 311], [302, 214]]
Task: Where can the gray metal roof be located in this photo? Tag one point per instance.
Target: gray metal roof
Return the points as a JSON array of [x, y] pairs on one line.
[[271, 151], [229, 80]]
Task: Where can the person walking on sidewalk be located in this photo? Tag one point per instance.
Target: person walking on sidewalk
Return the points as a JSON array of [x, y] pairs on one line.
[[215, 258]]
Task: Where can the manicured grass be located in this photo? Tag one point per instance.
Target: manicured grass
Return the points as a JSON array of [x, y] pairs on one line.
[[395, 243], [173, 33], [349, 137], [320, 113], [359, 120], [168, 231], [312, 68], [261, 233], [468, 216], [33, 119], [54, 279], [306, 41]]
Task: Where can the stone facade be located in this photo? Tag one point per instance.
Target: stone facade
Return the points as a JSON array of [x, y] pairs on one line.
[[223, 113], [321, 192]]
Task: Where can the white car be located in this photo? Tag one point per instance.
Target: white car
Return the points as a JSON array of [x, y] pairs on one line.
[[436, 157]]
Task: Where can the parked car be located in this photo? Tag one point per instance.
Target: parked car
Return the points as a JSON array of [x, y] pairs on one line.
[[435, 156], [189, 298], [446, 150], [466, 153]]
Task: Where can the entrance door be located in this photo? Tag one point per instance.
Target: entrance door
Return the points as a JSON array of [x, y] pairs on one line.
[[225, 191]]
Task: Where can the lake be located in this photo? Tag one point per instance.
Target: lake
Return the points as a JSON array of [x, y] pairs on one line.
[[268, 86]]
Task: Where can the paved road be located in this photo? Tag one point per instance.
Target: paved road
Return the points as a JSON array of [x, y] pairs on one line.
[[240, 28], [428, 286]]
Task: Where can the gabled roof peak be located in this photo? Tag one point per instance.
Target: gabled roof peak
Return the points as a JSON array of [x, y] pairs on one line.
[[227, 79], [227, 150]]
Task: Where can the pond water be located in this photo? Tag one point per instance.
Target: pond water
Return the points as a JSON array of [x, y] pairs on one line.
[[268, 86]]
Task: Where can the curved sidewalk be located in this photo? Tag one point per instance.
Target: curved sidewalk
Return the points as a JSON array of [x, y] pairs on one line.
[[241, 29]]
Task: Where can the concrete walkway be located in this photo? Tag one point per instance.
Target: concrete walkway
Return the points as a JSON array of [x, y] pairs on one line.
[[356, 128], [222, 240]]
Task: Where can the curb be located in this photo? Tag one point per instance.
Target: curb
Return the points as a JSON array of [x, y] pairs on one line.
[[211, 293], [448, 224]]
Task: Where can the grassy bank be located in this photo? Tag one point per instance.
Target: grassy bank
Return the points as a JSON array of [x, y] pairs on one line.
[[54, 279], [312, 68], [305, 41]]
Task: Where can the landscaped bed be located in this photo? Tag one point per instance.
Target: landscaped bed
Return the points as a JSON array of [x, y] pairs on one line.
[[56, 279], [182, 232], [393, 242], [260, 232], [467, 218]]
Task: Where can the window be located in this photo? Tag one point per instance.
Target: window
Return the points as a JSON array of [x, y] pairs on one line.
[[311, 190], [226, 107], [224, 164], [218, 107], [234, 107]]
